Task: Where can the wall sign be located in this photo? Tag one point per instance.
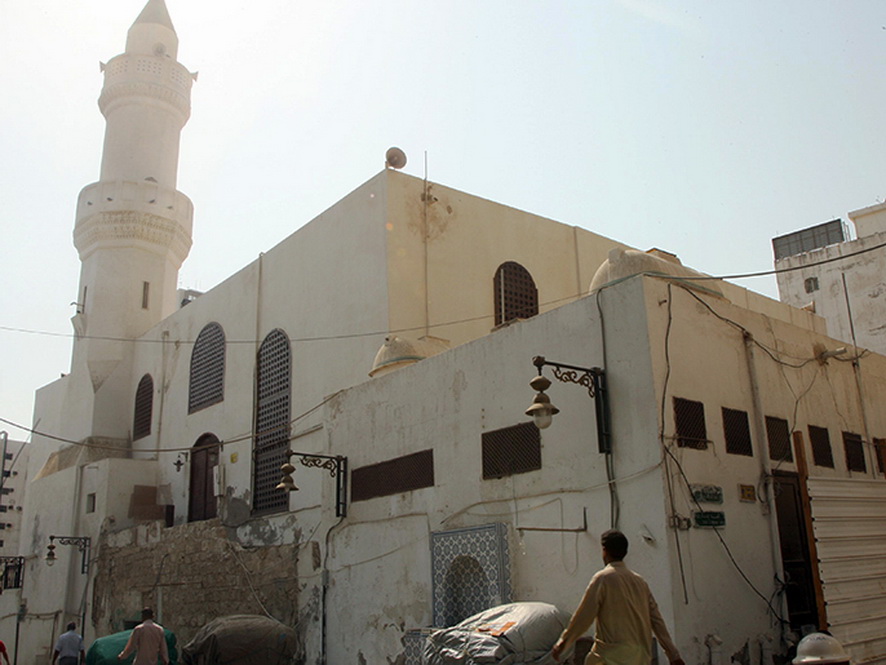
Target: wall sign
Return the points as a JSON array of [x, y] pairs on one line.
[[709, 518]]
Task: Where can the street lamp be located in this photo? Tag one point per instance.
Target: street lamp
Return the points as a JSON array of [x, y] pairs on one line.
[[543, 411], [82, 543], [337, 467]]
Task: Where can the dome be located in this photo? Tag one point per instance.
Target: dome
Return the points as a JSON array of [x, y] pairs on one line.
[[624, 263], [398, 352]]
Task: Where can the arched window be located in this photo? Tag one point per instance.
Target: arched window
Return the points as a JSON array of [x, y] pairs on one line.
[[202, 497], [515, 294], [273, 395], [207, 368], [144, 407]]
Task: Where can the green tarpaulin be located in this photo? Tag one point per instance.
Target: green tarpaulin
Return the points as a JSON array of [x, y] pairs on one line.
[[105, 649]]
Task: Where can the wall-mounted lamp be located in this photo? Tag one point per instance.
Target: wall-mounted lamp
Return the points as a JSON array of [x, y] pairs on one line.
[[832, 353], [180, 460], [82, 543], [337, 467], [543, 411]]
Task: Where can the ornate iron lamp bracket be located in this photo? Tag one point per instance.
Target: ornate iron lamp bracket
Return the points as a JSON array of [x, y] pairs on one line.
[[594, 380]]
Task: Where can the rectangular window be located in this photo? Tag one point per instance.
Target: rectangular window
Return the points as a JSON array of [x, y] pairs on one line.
[[146, 292], [854, 448], [779, 435], [737, 432], [402, 474], [90, 503], [811, 284], [880, 449], [820, 440], [83, 304], [511, 450], [689, 423]]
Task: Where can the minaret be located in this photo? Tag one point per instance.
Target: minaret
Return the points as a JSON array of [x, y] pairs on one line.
[[133, 228]]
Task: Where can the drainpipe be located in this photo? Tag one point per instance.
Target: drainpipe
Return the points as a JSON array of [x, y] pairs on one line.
[[856, 370], [765, 648], [714, 644], [759, 425]]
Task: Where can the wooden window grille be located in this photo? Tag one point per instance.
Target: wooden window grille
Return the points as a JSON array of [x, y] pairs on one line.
[[737, 432], [515, 294], [854, 448], [511, 450], [880, 450], [394, 476], [820, 442], [779, 435], [271, 441], [689, 423], [144, 407], [13, 572], [207, 381]]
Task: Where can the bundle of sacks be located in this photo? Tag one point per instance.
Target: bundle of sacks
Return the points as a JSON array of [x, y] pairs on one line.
[[514, 634]]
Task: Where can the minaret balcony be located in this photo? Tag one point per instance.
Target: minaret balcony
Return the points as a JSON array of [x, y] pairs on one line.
[[112, 211]]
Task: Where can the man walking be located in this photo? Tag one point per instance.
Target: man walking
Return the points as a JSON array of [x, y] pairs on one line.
[[147, 640], [68, 648], [625, 612]]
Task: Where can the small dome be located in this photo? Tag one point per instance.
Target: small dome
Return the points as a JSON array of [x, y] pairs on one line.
[[398, 352], [624, 263]]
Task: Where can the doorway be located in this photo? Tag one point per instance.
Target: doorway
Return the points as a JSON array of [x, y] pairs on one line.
[[795, 558]]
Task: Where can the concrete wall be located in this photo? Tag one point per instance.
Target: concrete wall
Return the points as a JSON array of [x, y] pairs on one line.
[[858, 306]]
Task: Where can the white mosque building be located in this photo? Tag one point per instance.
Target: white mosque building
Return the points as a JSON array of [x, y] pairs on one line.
[[383, 349]]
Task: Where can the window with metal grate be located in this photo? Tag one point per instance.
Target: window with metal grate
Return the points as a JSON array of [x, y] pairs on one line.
[[880, 450], [779, 435], [144, 403], [515, 294], [737, 432], [689, 423], [273, 396], [207, 385], [401, 474], [854, 448], [820, 442], [511, 450]]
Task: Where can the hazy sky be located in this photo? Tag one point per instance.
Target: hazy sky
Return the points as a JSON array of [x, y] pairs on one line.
[[704, 128]]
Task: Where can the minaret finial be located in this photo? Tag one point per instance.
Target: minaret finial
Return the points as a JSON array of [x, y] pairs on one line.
[[153, 32]]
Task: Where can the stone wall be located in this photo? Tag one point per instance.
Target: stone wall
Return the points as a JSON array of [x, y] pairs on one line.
[[190, 574]]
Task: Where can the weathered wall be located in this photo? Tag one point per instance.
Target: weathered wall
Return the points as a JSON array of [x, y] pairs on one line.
[[190, 575]]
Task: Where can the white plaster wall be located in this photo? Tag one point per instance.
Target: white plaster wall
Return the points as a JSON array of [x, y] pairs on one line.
[[865, 285], [380, 567], [324, 286]]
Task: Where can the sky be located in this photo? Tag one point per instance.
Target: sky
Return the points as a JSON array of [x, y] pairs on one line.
[[703, 128]]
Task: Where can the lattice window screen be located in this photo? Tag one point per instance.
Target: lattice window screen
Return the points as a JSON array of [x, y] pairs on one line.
[[144, 408], [854, 448], [737, 432], [510, 450], [515, 294], [689, 423], [779, 434], [402, 474], [272, 424], [820, 441], [207, 385]]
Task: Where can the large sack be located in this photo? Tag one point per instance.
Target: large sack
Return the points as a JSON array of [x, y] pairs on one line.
[[242, 639], [514, 634], [105, 649]]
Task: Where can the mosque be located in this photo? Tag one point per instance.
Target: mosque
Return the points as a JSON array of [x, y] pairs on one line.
[[334, 436]]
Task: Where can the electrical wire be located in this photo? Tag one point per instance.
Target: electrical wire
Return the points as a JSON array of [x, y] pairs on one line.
[[219, 444], [670, 455], [320, 338]]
